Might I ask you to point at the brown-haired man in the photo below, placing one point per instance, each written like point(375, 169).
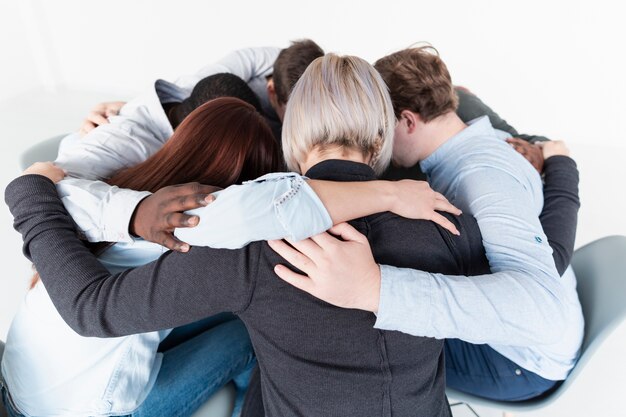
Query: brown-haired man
point(512, 334)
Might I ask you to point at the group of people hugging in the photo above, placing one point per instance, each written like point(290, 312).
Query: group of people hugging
point(267, 221)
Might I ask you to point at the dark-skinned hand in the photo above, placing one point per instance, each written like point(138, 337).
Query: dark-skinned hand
point(157, 215)
point(533, 153)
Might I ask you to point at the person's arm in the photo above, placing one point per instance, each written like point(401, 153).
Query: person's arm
point(130, 138)
point(559, 217)
point(280, 206)
point(247, 64)
point(520, 303)
point(102, 213)
point(99, 115)
point(174, 290)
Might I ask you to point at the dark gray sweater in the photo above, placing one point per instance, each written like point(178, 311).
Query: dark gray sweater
point(315, 359)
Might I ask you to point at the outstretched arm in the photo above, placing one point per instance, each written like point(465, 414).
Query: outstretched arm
point(174, 290)
point(286, 205)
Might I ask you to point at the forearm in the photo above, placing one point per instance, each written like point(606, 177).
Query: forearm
point(101, 212)
point(165, 293)
point(275, 206)
point(507, 308)
point(246, 64)
point(346, 201)
point(559, 217)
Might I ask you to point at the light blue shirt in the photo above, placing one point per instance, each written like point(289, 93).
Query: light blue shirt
point(524, 310)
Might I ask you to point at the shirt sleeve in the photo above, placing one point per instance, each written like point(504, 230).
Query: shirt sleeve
point(247, 64)
point(559, 217)
point(101, 212)
point(129, 138)
point(174, 290)
point(519, 304)
point(275, 206)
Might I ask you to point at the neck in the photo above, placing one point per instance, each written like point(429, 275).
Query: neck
point(438, 131)
point(319, 154)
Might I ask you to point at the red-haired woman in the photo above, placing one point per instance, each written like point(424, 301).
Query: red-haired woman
point(51, 370)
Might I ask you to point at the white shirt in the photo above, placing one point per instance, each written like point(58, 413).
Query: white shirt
point(103, 212)
point(50, 370)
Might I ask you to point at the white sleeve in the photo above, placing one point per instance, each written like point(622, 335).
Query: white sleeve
point(101, 212)
point(247, 64)
point(127, 140)
point(274, 206)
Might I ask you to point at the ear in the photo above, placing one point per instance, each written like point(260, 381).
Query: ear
point(411, 119)
point(271, 89)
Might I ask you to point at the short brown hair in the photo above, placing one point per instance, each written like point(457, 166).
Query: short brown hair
point(290, 65)
point(418, 81)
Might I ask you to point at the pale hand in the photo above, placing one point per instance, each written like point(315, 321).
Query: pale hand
point(341, 273)
point(416, 200)
point(99, 115)
point(553, 148)
point(47, 169)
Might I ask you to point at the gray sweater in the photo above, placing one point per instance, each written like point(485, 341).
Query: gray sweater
point(315, 359)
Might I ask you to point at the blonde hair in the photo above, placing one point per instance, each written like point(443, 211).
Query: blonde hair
point(339, 101)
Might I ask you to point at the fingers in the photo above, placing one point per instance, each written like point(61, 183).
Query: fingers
point(297, 280)
point(445, 223)
point(86, 128)
point(97, 118)
point(171, 242)
point(308, 247)
point(442, 204)
point(186, 202)
point(175, 220)
point(295, 258)
point(113, 108)
point(347, 232)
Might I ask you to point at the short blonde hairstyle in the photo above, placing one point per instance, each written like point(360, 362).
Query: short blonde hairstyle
point(339, 101)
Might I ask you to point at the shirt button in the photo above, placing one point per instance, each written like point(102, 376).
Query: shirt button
point(538, 239)
point(518, 372)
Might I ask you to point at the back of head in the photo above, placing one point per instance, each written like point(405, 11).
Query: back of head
point(222, 142)
point(339, 101)
point(418, 81)
point(216, 86)
point(291, 64)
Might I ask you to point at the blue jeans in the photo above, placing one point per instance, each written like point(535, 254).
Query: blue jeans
point(480, 370)
point(198, 360)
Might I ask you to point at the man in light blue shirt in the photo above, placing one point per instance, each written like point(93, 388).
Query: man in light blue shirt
point(521, 326)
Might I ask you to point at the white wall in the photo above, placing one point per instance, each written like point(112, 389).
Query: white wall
point(551, 67)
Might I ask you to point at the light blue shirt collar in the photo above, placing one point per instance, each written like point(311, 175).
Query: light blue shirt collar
point(478, 127)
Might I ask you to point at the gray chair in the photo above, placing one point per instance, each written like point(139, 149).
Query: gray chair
point(221, 403)
point(43, 151)
point(600, 269)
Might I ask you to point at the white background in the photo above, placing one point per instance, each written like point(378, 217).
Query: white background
point(551, 67)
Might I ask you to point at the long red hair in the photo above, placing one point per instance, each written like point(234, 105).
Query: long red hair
point(223, 142)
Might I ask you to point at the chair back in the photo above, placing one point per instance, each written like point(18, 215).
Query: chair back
point(46, 150)
point(600, 269)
